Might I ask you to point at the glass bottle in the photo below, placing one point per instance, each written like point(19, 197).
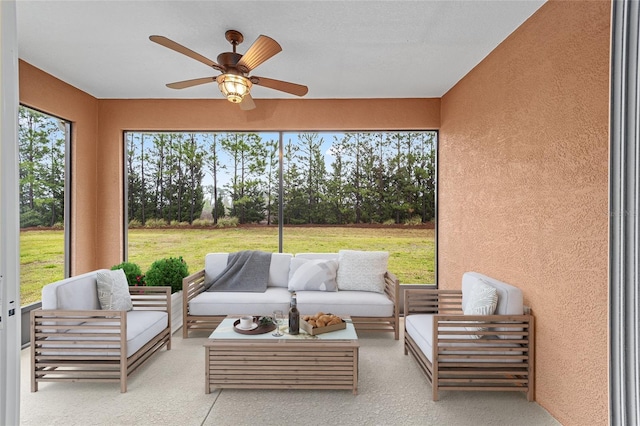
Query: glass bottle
point(294, 316)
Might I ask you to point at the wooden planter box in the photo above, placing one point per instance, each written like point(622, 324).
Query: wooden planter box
point(176, 311)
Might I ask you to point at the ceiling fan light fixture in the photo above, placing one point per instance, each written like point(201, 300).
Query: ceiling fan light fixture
point(234, 87)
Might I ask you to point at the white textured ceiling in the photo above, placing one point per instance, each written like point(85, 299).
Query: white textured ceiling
point(339, 49)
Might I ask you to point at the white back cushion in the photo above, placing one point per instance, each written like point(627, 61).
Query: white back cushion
point(509, 298)
point(215, 263)
point(510, 301)
point(321, 256)
point(73, 293)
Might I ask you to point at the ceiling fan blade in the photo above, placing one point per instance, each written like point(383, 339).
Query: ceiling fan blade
point(247, 103)
point(189, 83)
point(283, 86)
point(163, 41)
point(261, 50)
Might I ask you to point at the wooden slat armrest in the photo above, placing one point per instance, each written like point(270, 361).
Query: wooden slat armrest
point(426, 301)
point(47, 322)
point(193, 285)
point(77, 314)
point(508, 327)
point(488, 319)
point(151, 298)
point(392, 287)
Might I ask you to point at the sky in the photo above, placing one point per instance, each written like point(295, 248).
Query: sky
point(225, 176)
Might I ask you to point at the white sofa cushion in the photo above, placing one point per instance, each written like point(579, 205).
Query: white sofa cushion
point(73, 293)
point(142, 326)
point(215, 263)
point(510, 299)
point(113, 290)
point(322, 256)
point(362, 270)
point(313, 274)
point(420, 328)
point(482, 301)
point(345, 303)
point(240, 303)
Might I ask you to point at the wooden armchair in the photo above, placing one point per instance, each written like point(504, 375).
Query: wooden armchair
point(77, 345)
point(498, 355)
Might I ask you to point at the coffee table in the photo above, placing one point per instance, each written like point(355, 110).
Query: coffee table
point(262, 361)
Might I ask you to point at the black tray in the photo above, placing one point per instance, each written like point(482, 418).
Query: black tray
point(261, 329)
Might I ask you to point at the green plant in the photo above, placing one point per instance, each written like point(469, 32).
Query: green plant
point(228, 222)
point(414, 220)
point(134, 223)
point(167, 272)
point(156, 223)
point(132, 271)
point(202, 223)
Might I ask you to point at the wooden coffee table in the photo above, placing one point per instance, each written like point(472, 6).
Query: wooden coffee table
point(261, 361)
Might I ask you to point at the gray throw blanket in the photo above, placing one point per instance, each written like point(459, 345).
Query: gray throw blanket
point(246, 271)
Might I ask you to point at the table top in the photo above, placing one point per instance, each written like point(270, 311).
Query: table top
point(225, 331)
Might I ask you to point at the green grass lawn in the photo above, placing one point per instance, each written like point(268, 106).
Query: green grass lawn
point(412, 251)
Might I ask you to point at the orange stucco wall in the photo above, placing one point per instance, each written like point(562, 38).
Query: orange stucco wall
point(43, 92)
point(523, 192)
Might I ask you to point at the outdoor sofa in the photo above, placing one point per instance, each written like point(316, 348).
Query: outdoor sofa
point(366, 291)
point(76, 338)
point(463, 340)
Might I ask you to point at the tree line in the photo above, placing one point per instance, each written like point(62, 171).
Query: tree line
point(41, 158)
point(384, 177)
point(362, 177)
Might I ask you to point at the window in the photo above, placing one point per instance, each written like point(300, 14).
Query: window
point(44, 180)
point(194, 193)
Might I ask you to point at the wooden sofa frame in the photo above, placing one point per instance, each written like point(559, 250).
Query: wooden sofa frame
point(82, 363)
point(193, 285)
point(469, 368)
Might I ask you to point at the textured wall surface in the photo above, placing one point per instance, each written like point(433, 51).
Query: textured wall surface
point(523, 192)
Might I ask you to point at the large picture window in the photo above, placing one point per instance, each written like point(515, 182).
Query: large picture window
point(44, 218)
point(189, 194)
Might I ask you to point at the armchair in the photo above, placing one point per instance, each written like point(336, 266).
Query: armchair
point(470, 352)
point(73, 340)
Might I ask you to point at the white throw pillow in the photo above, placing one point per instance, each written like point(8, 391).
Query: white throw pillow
point(483, 300)
point(313, 274)
point(362, 270)
point(113, 290)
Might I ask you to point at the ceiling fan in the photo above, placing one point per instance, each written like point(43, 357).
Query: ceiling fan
point(234, 82)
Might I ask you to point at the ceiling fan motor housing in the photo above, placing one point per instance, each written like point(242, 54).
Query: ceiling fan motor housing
point(229, 60)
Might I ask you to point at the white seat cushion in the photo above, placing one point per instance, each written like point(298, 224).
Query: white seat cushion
point(240, 303)
point(420, 328)
point(345, 303)
point(142, 326)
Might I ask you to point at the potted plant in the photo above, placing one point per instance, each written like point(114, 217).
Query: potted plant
point(169, 272)
point(132, 271)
